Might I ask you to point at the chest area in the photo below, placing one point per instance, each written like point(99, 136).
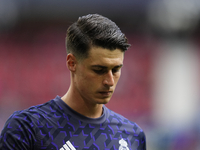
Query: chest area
point(72, 134)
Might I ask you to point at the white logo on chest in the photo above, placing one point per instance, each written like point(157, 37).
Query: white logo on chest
point(67, 146)
point(123, 145)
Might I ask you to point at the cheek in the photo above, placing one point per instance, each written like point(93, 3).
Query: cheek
point(88, 82)
point(116, 77)
point(88, 86)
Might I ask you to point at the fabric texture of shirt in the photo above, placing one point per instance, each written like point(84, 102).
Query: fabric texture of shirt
point(55, 126)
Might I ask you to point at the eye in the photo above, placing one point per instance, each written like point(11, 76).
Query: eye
point(115, 70)
point(99, 71)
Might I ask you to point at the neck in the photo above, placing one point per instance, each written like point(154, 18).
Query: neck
point(77, 103)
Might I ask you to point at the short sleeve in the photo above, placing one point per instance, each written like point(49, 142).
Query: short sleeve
point(17, 133)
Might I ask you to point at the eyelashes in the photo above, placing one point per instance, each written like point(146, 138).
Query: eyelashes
point(103, 71)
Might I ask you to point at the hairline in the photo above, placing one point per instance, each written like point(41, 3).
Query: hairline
point(81, 58)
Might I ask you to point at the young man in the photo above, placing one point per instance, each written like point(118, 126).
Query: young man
point(80, 120)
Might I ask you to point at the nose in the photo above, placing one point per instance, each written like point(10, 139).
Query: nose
point(108, 79)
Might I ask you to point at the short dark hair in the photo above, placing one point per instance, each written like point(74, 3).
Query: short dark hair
point(94, 30)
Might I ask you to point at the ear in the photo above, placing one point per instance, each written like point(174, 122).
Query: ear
point(71, 62)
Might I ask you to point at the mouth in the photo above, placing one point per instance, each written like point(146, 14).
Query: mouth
point(106, 93)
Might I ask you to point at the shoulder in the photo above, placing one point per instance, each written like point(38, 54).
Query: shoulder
point(28, 118)
point(123, 123)
point(27, 127)
point(33, 111)
point(23, 126)
point(111, 115)
point(126, 129)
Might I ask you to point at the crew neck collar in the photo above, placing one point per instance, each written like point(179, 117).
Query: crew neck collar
point(73, 113)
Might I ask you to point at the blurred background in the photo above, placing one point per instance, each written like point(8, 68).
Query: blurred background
point(160, 82)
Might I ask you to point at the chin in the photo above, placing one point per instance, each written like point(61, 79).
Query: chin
point(104, 101)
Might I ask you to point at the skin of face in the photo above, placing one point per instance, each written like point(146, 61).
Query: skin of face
point(93, 79)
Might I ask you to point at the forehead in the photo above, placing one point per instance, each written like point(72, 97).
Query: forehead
point(103, 56)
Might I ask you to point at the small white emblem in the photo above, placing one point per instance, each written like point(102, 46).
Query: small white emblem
point(67, 146)
point(123, 145)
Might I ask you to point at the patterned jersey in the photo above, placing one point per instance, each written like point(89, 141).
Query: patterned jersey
point(55, 126)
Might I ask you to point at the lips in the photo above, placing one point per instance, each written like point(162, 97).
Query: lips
point(106, 93)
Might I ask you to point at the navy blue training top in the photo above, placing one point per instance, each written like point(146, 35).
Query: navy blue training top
point(55, 126)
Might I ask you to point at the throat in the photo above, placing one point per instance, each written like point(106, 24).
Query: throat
point(83, 108)
point(91, 112)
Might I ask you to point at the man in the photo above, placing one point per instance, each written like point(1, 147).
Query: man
point(79, 119)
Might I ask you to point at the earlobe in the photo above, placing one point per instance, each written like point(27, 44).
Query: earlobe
point(71, 62)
